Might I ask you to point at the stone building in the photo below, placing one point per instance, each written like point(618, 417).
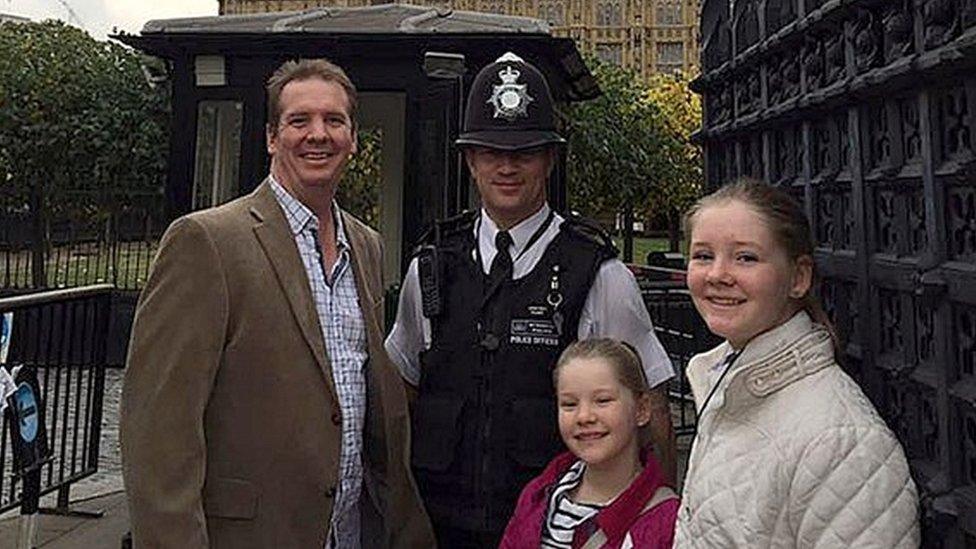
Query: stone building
point(646, 35)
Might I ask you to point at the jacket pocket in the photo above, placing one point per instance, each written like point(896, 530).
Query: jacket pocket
point(230, 498)
point(534, 436)
point(436, 431)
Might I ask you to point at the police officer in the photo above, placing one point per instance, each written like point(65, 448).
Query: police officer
point(488, 304)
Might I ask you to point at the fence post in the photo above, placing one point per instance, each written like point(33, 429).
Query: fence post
point(38, 263)
point(113, 237)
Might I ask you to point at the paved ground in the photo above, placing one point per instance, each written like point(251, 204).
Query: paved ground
point(56, 532)
point(104, 492)
point(101, 491)
point(109, 476)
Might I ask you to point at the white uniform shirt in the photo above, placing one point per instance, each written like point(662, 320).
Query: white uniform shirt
point(613, 308)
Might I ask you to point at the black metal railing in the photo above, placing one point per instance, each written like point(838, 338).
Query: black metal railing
point(79, 238)
point(680, 329)
point(62, 336)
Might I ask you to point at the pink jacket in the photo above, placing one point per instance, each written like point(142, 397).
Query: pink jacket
point(651, 529)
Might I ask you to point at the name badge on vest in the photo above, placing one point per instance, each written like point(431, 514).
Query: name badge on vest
point(539, 329)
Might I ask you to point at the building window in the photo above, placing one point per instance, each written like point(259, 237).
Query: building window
point(553, 12)
point(610, 53)
point(493, 6)
point(608, 14)
point(672, 53)
point(218, 153)
point(669, 13)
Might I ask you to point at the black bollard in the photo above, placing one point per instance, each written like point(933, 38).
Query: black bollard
point(25, 412)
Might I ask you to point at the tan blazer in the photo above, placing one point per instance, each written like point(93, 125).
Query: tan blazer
point(230, 424)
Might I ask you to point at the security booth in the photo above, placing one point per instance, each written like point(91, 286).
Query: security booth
point(412, 67)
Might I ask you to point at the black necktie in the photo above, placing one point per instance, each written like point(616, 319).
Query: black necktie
point(501, 266)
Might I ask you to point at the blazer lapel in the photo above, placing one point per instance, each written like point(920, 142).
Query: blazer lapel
point(278, 243)
point(362, 260)
point(359, 255)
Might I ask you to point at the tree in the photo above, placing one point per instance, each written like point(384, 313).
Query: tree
point(629, 151)
point(76, 114)
point(359, 192)
point(682, 113)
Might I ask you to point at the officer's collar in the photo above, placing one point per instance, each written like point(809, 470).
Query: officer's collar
point(521, 233)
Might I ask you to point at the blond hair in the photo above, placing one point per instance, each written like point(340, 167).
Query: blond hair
point(623, 360)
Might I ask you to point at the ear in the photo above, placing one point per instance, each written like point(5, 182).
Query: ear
point(802, 277)
point(271, 138)
point(643, 412)
point(355, 141)
point(552, 156)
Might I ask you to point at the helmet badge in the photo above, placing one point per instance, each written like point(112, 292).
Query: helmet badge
point(510, 99)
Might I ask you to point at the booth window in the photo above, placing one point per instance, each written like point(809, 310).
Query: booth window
point(218, 154)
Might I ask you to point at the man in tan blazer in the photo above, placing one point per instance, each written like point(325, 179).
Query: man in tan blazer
point(259, 408)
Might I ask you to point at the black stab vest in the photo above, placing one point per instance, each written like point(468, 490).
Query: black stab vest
point(484, 422)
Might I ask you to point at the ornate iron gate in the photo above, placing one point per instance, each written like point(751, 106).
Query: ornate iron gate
point(867, 110)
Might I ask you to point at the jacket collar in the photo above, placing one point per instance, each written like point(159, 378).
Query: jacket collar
point(300, 216)
point(615, 519)
point(771, 361)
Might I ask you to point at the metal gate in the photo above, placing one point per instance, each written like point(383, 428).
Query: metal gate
point(865, 110)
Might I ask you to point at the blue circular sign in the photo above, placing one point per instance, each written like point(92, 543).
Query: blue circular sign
point(27, 412)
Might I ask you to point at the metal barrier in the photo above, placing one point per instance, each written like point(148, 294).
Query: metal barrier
point(62, 335)
point(680, 329)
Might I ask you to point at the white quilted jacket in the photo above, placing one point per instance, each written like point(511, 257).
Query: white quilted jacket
point(790, 453)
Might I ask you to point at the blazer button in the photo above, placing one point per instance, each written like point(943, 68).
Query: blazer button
point(336, 418)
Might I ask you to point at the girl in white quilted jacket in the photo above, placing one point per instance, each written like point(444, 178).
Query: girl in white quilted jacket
point(789, 452)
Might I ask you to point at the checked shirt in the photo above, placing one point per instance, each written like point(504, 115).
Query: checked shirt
point(344, 332)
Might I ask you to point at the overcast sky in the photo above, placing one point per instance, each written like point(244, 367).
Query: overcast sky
point(99, 16)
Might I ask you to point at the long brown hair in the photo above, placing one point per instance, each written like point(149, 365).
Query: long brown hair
point(785, 219)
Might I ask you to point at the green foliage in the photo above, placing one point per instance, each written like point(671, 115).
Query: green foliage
point(77, 114)
point(630, 147)
point(682, 113)
point(359, 191)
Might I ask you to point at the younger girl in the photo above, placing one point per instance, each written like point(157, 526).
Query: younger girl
point(605, 492)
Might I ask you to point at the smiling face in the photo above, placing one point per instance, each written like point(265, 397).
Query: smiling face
point(512, 184)
point(598, 416)
point(313, 138)
point(741, 279)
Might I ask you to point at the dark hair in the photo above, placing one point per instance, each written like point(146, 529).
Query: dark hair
point(305, 69)
point(785, 219)
point(623, 360)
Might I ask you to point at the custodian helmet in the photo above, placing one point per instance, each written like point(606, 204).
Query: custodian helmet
point(509, 107)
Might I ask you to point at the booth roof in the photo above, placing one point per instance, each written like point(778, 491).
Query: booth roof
point(360, 27)
point(381, 19)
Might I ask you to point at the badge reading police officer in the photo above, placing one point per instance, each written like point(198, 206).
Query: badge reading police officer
point(510, 99)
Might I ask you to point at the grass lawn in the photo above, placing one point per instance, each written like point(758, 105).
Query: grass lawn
point(642, 246)
point(81, 264)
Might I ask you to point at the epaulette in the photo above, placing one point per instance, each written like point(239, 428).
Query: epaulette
point(441, 228)
point(589, 230)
